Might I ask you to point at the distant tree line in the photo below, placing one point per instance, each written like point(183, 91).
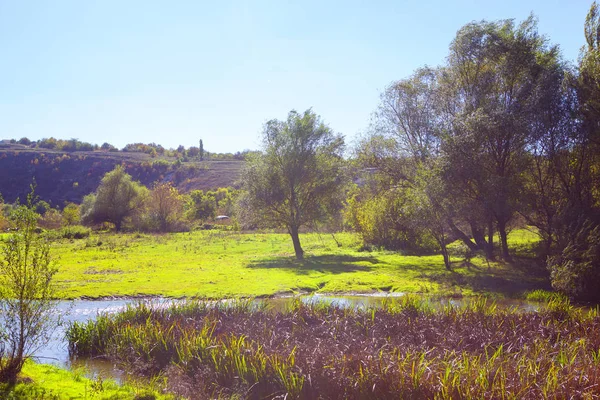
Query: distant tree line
point(123, 203)
point(154, 150)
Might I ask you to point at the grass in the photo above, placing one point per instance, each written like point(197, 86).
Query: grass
point(42, 381)
point(407, 349)
point(218, 264)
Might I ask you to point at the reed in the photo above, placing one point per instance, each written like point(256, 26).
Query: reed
point(407, 349)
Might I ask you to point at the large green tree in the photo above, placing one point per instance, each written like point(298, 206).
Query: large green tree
point(495, 89)
point(575, 262)
point(116, 198)
point(297, 180)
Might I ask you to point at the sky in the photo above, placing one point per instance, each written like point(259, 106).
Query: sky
point(174, 72)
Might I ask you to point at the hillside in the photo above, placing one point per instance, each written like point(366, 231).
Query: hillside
point(69, 176)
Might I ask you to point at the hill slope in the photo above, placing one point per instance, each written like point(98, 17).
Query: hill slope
point(69, 176)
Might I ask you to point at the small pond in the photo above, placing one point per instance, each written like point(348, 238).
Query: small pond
point(56, 351)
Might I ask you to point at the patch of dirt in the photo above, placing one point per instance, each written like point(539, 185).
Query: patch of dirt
point(96, 271)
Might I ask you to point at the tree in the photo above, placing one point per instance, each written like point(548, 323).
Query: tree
point(574, 265)
point(71, 214)
point(201, 206)
point(26, 293)
point(297, 180)
point(576, 270)
point(495, 90)
point(403, 149)
point(201, 150)
point(589, 75)
point(106, 146)
point(116, 198)
point(165, 205)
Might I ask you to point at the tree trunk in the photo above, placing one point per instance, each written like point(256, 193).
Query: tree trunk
point(446, 258)
point(441, 240)
point(503, 239)
point(489, 250)
point(118, 226)
point(461, 235)
point(296, 240)
point(479, 236)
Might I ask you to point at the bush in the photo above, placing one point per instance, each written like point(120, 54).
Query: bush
point(75, 232)
point(576, 271)
point(52, 219)
point(383, 223)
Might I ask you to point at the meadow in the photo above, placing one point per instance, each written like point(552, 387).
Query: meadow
point(407, 349)
point(224, 264)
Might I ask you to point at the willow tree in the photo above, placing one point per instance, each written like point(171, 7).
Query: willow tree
point(296, 180)
point(116, 198)
point(496, 88)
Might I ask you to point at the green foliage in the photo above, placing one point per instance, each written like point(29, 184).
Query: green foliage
point(385, 221)
point(576, 271)
point(27, 290)
point(48, 382)
point(73, 232)
point(71, 214)
point(544, 296)
point(66, 145)
point(201, 206)
point(298, 180)
point(164, 208)
point(144, 148)
point(117, 198)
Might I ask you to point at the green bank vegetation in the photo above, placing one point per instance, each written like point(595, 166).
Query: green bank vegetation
point(42, 381)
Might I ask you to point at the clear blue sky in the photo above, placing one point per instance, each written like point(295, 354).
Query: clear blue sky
point(173, 72)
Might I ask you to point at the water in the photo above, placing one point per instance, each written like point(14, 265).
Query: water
point(56, 351)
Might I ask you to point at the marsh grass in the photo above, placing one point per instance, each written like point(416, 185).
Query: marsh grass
point(542, 295)
point(407, 349)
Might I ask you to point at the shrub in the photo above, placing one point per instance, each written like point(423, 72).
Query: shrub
point(576, 271)
point(75, 232)
point(26, 291)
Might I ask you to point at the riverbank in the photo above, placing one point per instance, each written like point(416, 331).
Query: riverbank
point(43, 381)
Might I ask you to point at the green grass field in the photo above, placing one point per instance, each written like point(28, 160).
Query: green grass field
point(218, 264)
point(42, 381)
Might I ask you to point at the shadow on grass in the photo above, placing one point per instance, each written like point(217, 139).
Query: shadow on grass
point(334, 264)
point(505, 278)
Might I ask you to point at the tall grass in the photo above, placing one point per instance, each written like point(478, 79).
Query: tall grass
point(407, 349)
